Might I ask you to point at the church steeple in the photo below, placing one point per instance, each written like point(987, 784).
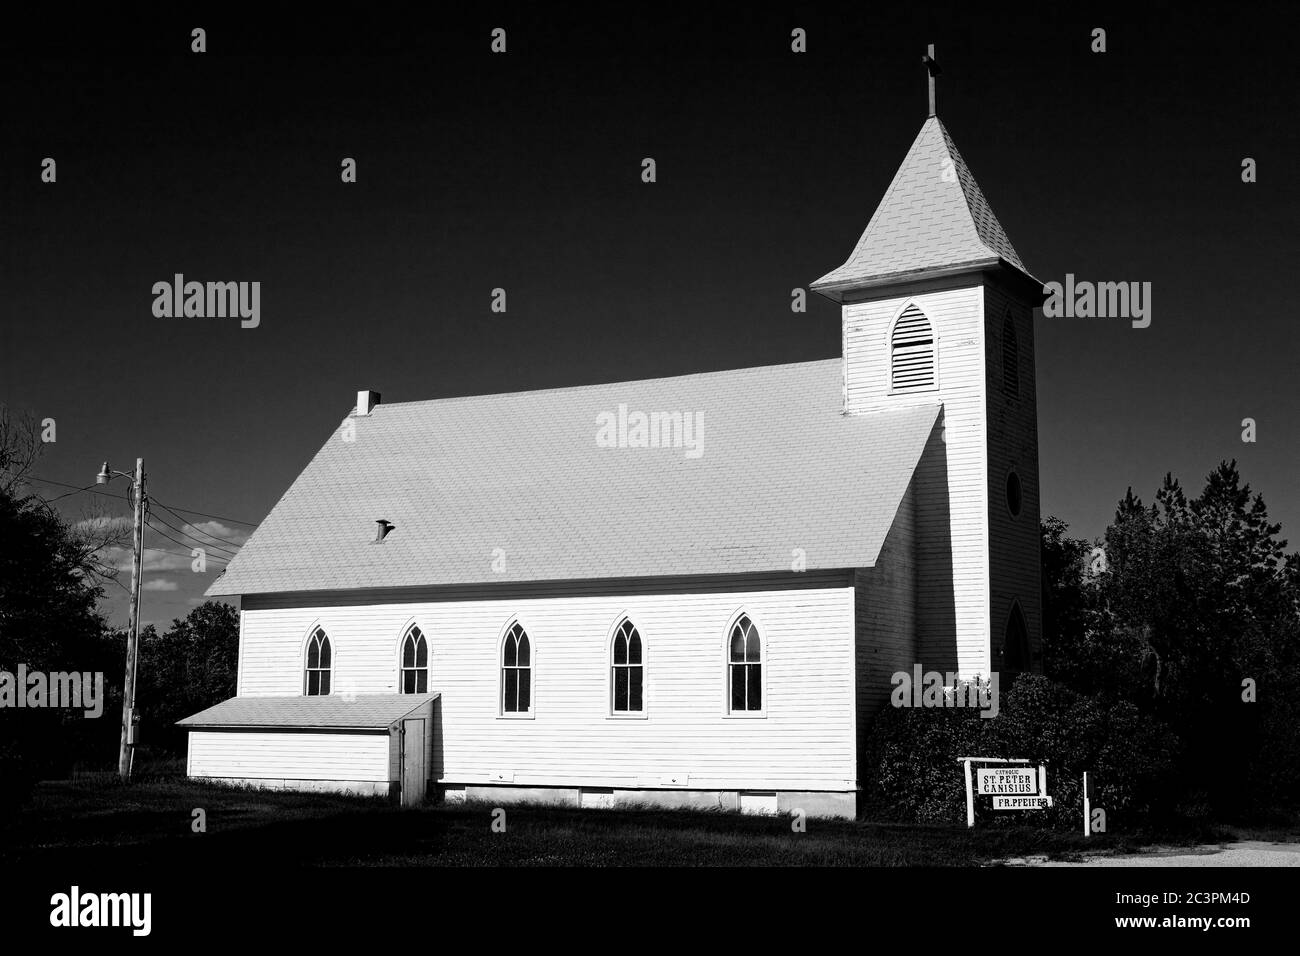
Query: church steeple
point(937, 309)
point(933, 221)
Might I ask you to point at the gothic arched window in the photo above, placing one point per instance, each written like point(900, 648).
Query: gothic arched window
point(627, 670)
point(516, 672)
point(745, 668)
point(415, 663)
point(1015, 647)
point(319, 665)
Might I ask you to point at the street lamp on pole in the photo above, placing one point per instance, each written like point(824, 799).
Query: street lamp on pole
point(133, 628)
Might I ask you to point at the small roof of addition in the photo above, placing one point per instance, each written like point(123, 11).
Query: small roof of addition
point(329, 712)
point(933, 218)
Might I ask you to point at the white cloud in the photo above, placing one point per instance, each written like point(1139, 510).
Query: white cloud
point(159, 584)
point(189, 537)
point(163, 553)
point(225, 536)
point(152, 561)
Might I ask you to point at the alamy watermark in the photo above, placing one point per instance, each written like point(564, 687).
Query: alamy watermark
point(933, 689)
point(36, 689)
point(77, 909)
point(1083, 299)
point(208, 300)
point(624, 429)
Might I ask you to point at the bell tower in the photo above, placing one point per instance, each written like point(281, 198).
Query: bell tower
point(937, 308)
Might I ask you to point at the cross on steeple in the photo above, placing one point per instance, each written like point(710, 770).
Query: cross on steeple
point(932, 70)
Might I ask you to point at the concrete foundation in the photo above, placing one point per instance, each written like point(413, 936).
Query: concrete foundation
point(815, 803)
point(364, 788)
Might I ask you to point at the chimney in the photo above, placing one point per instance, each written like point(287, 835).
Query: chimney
point(383, 526)
point(366, 402)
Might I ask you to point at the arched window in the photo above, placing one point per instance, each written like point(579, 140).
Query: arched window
point(745, 667)
point(319, 665)
point(911, 352)
point(1010, 358)
point(415, 663)
point(516, 672)
point(627, 675)
point(1015, 648)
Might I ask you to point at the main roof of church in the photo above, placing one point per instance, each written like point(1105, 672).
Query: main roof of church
point(516, 487)
point(934, 217)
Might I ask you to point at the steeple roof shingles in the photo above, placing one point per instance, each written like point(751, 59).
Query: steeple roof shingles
point(933, 217)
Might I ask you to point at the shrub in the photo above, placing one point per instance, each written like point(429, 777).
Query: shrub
point(912, 771)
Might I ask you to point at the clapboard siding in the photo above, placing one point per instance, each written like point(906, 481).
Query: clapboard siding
point(1014, 542)
point(805, 741)
point(886, 616)
point(298, 755)
point(951, 483)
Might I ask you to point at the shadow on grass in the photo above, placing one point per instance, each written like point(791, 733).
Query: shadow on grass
point(151, 824)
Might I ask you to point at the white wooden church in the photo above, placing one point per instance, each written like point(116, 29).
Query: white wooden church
point(485, 597)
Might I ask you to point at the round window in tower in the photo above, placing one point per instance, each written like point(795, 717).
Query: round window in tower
point(1013, 494)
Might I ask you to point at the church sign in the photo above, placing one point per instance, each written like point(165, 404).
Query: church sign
point(1007, 780)
point(1011, 782)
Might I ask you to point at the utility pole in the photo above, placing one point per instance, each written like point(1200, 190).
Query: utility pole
point(125, 752)
point(124, 760)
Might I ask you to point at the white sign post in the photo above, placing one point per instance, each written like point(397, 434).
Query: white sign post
point(970, 799)
point(1087, 814)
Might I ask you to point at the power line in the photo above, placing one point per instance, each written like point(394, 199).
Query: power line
point(216, 537)
point(186, 554)
point(188, 511)
point(186, 534)
point(50, 501)
point(220, 553)
point(203, 514)
point(90, 488)
point(167, 536)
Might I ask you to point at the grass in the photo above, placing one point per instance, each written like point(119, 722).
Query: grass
point(94, 820)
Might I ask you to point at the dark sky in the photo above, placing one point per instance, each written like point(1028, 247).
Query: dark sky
point(522, 171)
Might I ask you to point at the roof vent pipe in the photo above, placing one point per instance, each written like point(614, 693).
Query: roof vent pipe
point(382, 527)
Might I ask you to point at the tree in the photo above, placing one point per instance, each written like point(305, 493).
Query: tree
point(189, 667)
point(50, 582)
point(1199, 596)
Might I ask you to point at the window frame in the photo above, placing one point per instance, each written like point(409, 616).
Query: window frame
point(891, 388)
point(1016, 612)
point(764, 662)
point(401, 660)
point(506, 634)
point(610, 666)
point(317, 631)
